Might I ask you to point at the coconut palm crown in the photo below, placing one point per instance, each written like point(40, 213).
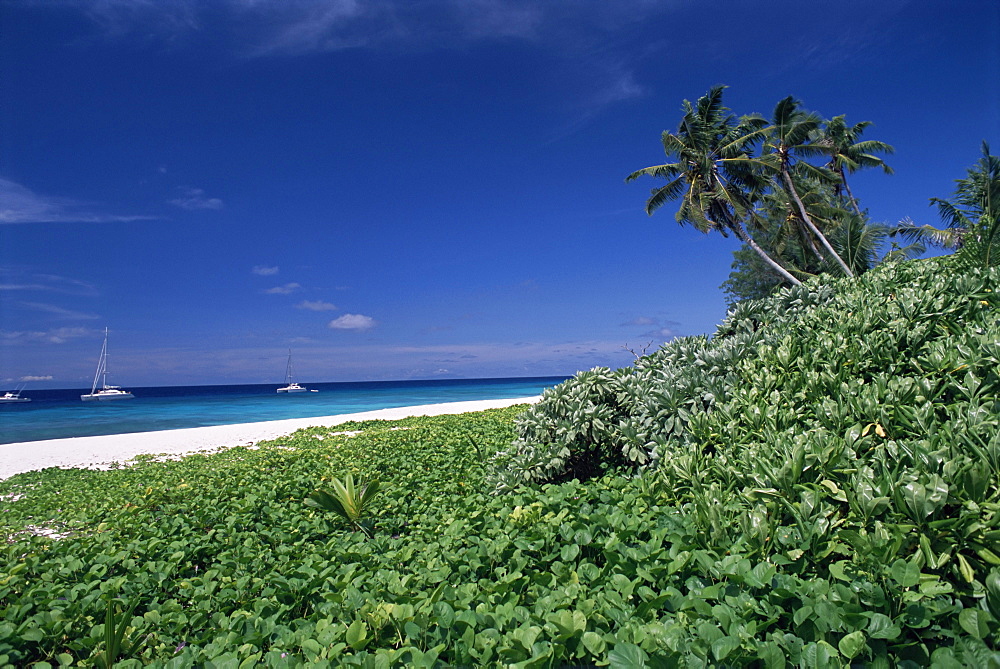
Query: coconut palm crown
point(714, 173)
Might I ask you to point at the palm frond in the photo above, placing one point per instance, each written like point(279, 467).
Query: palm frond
point(948, 238)
point(664, 194)
point(710, 105)
point(667, 171)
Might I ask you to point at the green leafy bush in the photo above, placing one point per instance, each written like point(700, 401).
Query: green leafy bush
point(843, 430)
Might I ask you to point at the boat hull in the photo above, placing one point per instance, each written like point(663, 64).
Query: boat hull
point(106, 397)
point(292, 390)
point(11, 400)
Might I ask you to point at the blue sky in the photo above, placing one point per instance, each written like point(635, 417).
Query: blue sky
point(401, 189)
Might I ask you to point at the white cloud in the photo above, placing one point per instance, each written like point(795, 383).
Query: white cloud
point(661, 330)
point(352, 322)
point(22, 205)
point(641, 321)
point(194, 198)
point(663, 333)
point(59, 312)
point(14, 279)
point(264, 270)
point(55, 336)
point(293, 28)
point(286, 289)
point(36, 378)
point(318, 305)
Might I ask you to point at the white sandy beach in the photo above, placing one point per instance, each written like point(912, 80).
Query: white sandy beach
point(99, 452)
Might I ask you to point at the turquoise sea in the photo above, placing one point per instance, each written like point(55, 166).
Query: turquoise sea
point(54, 414)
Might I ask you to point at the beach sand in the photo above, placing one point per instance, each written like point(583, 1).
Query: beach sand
point(100, 452)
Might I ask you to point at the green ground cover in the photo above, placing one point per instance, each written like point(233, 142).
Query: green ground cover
point(817, 485)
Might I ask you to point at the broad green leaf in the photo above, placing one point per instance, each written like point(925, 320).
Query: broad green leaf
point(526, 636)
point(721, 648)
point(772, 655)
point(993, 592)
point(906, 574)
point(975, 622)
point(819, 655)
point(881, 626)
point(627, 656)
point(593, 642)
point(852, 644)
point(357, 635)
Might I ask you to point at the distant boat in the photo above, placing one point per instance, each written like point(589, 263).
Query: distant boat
point(292, 386)
point(13, 396)
point(106, 392)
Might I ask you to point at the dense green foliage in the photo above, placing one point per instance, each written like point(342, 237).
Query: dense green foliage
point(846, 431)
point(817, 485)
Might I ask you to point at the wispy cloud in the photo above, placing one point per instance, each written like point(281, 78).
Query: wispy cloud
point(19, 204)
point(353, 322)
point(264, 270)
point(58, 312)
point(13, 279)
point(659, 331)
point(286, 289)
point(318, 305)
point(47, 377)
point(641, 321)
point(303, 27)
point(54, 336)
point(193, 199)
point(592, 39)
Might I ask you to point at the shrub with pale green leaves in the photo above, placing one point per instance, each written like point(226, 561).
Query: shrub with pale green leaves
point(846, 430)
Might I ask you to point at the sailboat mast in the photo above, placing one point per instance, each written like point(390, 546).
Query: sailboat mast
point(101, 365)
point(104, 381)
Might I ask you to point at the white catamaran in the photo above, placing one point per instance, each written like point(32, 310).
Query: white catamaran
point(106, 392)
point(13, 396)
point(292, 386)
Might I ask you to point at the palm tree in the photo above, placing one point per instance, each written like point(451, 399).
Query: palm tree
point(975, 209)
point(972, 217)
point(848, 153)
point(715, 175)
point(790, 135)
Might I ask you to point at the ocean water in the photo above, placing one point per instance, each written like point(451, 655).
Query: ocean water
point(54, 414)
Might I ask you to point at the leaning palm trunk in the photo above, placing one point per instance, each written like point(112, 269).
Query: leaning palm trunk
point(812, 226)
point(745, 237)
point(850, 195)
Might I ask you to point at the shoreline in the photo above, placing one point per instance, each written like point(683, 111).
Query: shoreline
point(100, 451)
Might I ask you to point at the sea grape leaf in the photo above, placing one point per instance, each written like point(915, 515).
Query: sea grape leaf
point(906, 574)
point(975, 622)
point(594, 642)
point(526, 636)
point(819, 654)
point(881, 626)
point(627, 656)
point(357, 635)
point(772, 655)
point(852, 644)
point(721, 648)
point(993, 592)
